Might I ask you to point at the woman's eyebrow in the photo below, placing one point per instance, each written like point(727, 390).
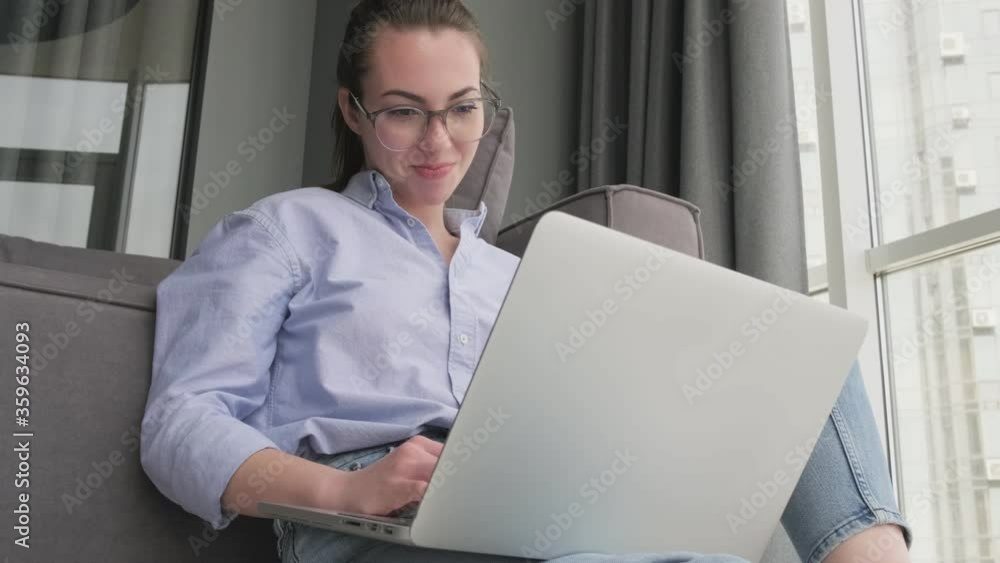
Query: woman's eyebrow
point(419, 99)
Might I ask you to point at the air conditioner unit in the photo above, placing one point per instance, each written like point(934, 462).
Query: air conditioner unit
point(984, 319)
point(965, 181)
point(960, 116)
point(993, 469)
point(952, 47)
point(796, 16)
point(808, 139)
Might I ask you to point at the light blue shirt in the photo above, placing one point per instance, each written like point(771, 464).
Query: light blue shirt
point(313, 322)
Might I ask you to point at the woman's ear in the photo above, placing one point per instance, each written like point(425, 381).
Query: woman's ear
point(348, 109)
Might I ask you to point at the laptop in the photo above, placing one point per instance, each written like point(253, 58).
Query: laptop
point(630, 398)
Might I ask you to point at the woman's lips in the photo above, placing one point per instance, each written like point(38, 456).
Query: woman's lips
point(433, 172)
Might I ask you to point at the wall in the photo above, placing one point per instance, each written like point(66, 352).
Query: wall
point(536, 70)
point(256, 102)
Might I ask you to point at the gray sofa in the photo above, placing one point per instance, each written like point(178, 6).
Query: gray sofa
point(91, 321)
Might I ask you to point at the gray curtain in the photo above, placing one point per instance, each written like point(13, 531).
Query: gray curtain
point(705, 88)
point(694, 98)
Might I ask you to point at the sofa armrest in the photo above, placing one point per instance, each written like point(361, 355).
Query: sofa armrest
point(647, 214)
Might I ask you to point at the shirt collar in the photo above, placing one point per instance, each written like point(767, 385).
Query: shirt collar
point(369, 186)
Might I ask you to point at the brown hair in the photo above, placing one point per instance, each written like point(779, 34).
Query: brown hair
point(354, 61)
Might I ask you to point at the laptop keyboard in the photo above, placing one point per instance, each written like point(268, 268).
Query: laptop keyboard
point(407, 512)
point(401, 517)
point(384, 519)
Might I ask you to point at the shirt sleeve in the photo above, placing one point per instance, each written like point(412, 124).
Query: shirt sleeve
point(217, 320)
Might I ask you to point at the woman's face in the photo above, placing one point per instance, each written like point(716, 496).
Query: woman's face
point(423, 70)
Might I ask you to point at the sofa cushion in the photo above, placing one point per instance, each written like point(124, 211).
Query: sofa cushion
point(640, 212)
point(96, 263)
point(91, 360)
point(489, 176)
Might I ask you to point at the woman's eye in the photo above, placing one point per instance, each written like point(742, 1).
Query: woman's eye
point(403, 113)
point(467, 108)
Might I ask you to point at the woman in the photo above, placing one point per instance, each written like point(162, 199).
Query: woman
point(343, 326)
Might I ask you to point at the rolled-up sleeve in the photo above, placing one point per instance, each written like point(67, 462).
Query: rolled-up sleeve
point(217, 323)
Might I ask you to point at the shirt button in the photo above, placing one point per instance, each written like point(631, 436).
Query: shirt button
point(411, 222)
point(464, 339)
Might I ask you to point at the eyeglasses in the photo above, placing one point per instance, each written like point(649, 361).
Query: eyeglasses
point(400, 128)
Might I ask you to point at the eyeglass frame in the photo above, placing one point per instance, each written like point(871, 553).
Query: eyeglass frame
point(373, 115)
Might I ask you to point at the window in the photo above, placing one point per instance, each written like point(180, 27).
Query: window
point(994, 78)
point(92, 121)
point(925, 107)
point(914, 165)
point(807, 98)
point(916, 169)
point(991, 22)
point(66, 207)
point(944, 355)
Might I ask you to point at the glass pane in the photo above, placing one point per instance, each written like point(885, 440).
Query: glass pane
point(157, 170)
point(94, 96)
point(806, 104)
point(934, 81)
point(66, 209)
point(59, 115)
point(942, 328)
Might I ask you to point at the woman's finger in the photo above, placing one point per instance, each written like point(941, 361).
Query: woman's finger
point(430, 446)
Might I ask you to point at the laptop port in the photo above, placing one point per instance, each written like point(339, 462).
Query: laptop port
point(373, 527)
point(352, 523)
point(388, 530)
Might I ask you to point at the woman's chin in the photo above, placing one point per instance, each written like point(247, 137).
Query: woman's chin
point(433, 191)
point(416, 195)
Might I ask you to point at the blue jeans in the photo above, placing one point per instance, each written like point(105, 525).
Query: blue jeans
point(844, 489)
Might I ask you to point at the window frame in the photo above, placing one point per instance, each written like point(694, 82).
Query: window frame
point(856, 266)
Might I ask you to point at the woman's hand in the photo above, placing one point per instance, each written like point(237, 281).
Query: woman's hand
point(393, 482)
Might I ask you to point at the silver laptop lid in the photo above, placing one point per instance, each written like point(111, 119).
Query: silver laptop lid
point(635, 399)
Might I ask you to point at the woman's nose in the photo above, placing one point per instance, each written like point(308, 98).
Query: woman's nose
point(437, 131)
